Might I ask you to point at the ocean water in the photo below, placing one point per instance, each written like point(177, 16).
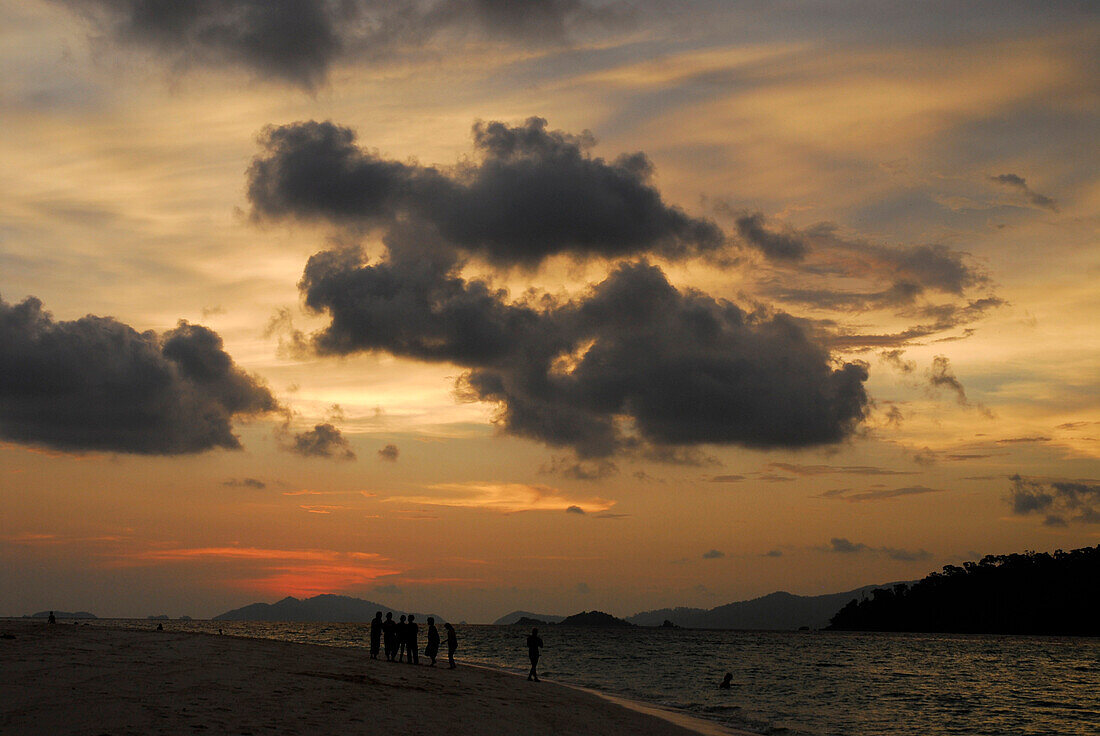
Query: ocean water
point(801, 684)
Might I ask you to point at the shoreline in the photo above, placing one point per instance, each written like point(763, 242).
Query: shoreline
point(94, 680)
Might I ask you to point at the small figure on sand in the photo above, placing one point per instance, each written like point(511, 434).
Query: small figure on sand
point(452, 643)
point(412, 632)
point(402, 630)
point(432, 649)
point(389, 636)
point(52, 619)
point(375, 635)
point(725, 683)
point(534, 643)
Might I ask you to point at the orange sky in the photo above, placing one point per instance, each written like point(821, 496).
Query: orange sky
point(942, 150)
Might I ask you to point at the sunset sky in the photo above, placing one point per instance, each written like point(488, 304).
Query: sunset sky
point(471, 305)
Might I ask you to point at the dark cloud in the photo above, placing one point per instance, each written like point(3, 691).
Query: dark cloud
point(298, 41)
point(906, 555)
point(844, 546)
point(532, 194)
point(727, 479)
point(324, 440)
point(1059, 501)
point(684, 368)
point(245, 483)
point(713, 554)
point(389, 453)
point(579, 469)
point(95, 384)
point(894, 358)
point(1023, 440)
point(830, 469)
point(774, 245)
point(575, 510)
point(1019, 183)
point(773, 553)
point(878, 494)
point(941, 376)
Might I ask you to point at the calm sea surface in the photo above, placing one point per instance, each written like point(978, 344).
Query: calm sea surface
point(819, 684)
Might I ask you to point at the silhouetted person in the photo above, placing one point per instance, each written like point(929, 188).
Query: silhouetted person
point(402, 630)
point(534, 643)
point(452, 643)
point(725, 683)
point(52, 619)
point(389, 636)
point(412, 634)
point(160, 627)
point(375, 635)
point(432, 649)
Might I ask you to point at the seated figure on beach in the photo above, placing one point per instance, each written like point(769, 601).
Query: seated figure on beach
point(725, 683)
point(432, 649)
point(412, 634)
point(389, 636)
point(534, 643)
point(402, 630)
point(375, 635)
point(452, 643)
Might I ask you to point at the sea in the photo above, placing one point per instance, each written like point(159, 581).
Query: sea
point(809, 683)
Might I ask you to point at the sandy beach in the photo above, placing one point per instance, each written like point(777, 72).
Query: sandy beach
point(85, 680)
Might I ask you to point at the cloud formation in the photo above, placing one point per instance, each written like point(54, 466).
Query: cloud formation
point(844, 546)
point(1059, 501)
point(298, 41)
point(1018, 183)
point(324, 440)
point(532, 194)
point(713, 554)
point(95, 384)
point(877, 494)
point(389, 453)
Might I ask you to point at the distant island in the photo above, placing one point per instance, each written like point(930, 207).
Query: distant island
point(63, 614)
point(320, 608)
point(516, 617)
point(584, 618)
point(1029, 593)
point(778, 611)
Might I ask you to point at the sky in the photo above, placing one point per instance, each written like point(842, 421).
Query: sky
point(472, 306)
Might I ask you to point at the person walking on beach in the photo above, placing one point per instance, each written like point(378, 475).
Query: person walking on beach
point(402, 630)
point(375, 635)
point(534, 643)
point(452, 644)
point(389, 636)
point(413, 632)
point(432, 649)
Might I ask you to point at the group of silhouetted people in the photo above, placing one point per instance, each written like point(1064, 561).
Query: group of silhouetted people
point(400, 639)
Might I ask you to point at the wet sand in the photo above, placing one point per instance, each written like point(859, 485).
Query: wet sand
point(93, 681)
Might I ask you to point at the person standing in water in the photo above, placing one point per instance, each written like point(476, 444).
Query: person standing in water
point(375, 635)
point(534, 644)
point(432, 649)
point(452, 643)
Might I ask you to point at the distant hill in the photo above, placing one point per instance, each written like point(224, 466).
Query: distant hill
point(63, 614)
point(509, 619)
point(326, 607)
point(1029, 593)
point(593, 618)
point(779, 611)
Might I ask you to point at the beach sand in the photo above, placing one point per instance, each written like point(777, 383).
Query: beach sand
point(87, 680)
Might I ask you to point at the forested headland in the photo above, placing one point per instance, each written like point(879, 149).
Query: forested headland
point(1028, 593)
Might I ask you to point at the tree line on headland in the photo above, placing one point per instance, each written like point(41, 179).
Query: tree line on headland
point(1028, 593)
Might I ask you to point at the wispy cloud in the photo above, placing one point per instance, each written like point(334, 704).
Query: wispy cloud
point(505, 498)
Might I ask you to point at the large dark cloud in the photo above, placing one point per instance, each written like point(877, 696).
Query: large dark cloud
point(97, 384)
point(1058, 501)
point(299, 40)
point(681, 368)
point(532, 193)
